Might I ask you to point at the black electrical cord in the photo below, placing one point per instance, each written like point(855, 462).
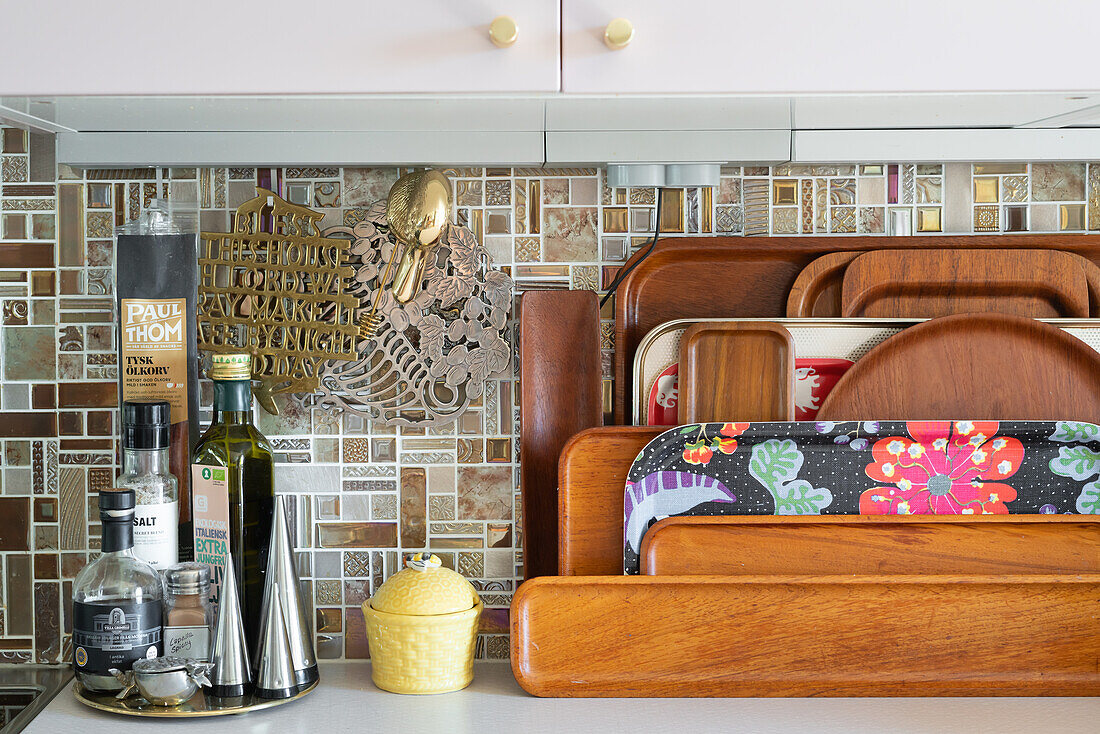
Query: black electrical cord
point(626, 271)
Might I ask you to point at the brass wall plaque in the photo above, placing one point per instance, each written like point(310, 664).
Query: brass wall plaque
point(276, 288)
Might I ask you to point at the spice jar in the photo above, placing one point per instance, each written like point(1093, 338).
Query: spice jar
point(188, 613)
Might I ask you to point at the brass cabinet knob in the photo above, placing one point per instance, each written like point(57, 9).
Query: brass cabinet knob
point(618, 34)
point(503, 31)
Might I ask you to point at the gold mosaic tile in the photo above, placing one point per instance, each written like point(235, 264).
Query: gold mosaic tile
point(1058, 182)
point(807, 206)
point(643, 196)
point(756, 193)
point(785, 220)
point(1071, 217)
point(1094, 197)
point(527, 249)
point(842, 219)
point(672, 210)
point(985, 190)
point(821, 204)
point(842, 191)
point(929, 219)
point(929, 169)
point(615, 221)
point(520, 208)
point(468, 193)
point(1014, 188)
point(986, 218)
point(534, 208)
point(871, 170)
point(706, 210)
point(929, 190)
point(784, 191)
point(1002, 168)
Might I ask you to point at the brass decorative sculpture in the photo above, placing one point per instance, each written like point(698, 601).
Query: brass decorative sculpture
point(429, 356)
point(278, 294)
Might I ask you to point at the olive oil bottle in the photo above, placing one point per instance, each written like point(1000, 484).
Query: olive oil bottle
point(233, 489)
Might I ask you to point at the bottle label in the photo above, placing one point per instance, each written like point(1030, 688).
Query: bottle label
point(152, 334)
point(187, 642)
point(210, 497)
point(114, 634)
point(156, 531)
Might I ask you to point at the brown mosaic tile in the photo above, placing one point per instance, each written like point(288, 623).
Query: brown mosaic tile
point(46, 566)
point(357, 535)
point(329, 620)
point(47, 612)
point(27, 425)
point(87, 395)
point(19, 614)
point(355, 638)
point(71, 563)
point(45, 509)
point(986, 219)
point(70, 424)
point(72, 508)
point(413, 531)
point(15, 523)
point(46, 537)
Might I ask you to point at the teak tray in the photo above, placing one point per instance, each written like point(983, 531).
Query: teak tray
point(736, 368)
point(885, 545)
point(751, 277)
point(961, 635)
point(989, 365)
point(931, 283)
point(561, 393)
point(591, 482)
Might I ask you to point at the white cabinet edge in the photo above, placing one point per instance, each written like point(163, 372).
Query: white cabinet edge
point(1021, 144)
point(123, 150)
point(667, 146)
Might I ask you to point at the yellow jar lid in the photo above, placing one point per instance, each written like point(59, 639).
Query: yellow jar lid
point(424, 587)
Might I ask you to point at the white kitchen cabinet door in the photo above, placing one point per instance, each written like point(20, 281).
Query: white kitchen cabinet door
point(63, 47)
point(815, 47)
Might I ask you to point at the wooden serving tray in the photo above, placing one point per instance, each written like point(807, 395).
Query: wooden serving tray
point(561, 393)
point(885, 545)
point(963, 635)
point(989, 365)
point(751, 277)
point(736, 368)
point(932, 283)
point(591, 482)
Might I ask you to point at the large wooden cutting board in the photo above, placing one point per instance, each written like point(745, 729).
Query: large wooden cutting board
point(592, 480)
point(975, 365)
point(899, 544)
point(740, 371)
point(560, 393)
point(931, 283)
point(963, 635)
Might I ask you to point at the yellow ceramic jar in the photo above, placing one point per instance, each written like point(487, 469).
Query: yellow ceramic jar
point(422, 628)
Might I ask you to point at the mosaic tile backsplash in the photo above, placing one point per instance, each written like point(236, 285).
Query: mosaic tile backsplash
point(364, 494)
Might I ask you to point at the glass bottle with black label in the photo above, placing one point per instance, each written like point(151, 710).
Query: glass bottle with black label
point(233, 490)
point(117, 601)
point(156, 490)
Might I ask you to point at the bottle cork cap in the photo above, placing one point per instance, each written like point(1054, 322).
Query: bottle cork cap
point(231, 367)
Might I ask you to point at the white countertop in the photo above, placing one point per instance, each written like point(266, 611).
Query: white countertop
point(347, 701)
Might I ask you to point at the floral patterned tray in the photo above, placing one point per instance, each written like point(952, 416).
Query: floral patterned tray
point(861, 468)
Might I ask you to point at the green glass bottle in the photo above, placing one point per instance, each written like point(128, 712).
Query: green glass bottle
point(233, 489)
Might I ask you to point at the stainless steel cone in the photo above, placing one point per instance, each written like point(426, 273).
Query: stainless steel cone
point(232, 674)
point(282, 584)
point(275, 672)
